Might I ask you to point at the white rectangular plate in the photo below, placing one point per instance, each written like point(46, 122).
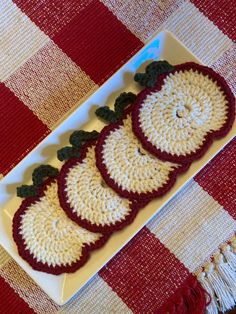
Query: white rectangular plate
point(62, 288)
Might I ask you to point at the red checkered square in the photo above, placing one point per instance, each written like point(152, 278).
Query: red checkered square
point(218, 178)
point(97, 41)
point(11, 302)
point(145, 273)
point(51, 15)
point(19, 128)
point(221, 13)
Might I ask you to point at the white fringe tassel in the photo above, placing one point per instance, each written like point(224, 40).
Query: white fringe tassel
point(218, 278)
point(229, 252)
point(212, 307)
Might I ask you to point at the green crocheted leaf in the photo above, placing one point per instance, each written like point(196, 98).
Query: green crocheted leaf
point(42, 172)
point(77, 138)
point(67, 153)
point(106, 114)
point(141, 78)
point(152, 72)
point(151, 82)
point(39, 175)
point(122, 102)
point(159, 67)
point(26, 191)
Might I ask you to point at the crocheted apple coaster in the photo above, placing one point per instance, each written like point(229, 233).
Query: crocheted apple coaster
point(88, 200)
point(129, 169)
point(46, 238)
point(178, 119)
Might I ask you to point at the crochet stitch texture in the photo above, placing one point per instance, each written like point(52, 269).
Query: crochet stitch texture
point(47, 238)
point(178, 119)
point(128, 168)
point(87, 199)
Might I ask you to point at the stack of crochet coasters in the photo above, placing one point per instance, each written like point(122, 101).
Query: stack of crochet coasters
point(127, 167)
point(106, 178)
point(88, 200)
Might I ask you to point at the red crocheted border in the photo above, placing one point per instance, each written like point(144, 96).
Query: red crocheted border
point(135, 205)
point(106, 131)
point(208, 138)
point(26, 255)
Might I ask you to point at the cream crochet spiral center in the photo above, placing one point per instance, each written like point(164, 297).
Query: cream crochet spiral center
point(177, 118)
point(90, 197)
point(50, 236)
point(129, 165)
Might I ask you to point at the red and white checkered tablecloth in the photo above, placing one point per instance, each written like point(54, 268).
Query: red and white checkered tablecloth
point(53, 53)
